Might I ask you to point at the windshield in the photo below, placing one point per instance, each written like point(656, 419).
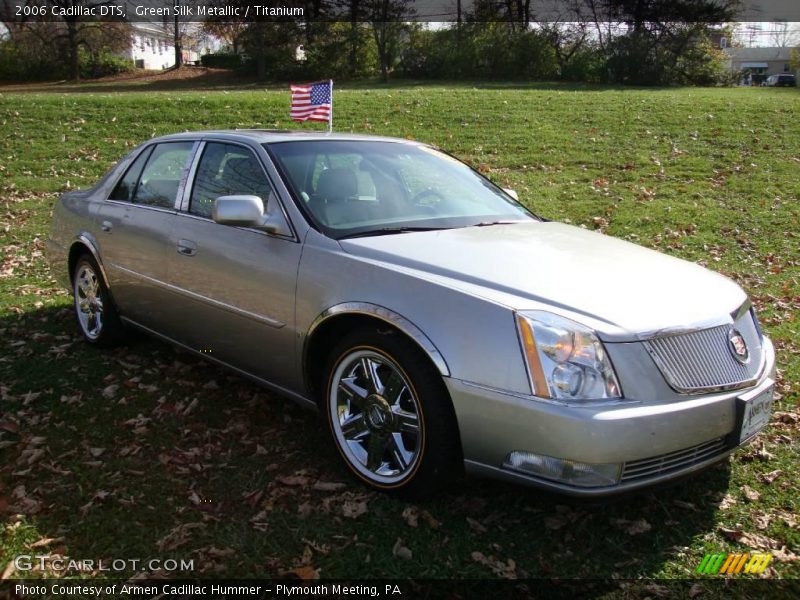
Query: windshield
point(352, 188)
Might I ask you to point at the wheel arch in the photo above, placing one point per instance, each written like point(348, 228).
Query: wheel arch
point(336, 320)
point(83, 244)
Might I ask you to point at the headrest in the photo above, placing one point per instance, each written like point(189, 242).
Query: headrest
point(336, 184)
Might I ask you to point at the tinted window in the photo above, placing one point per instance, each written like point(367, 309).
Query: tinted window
point(127, 185)
point(161, 177)
point(226, 170)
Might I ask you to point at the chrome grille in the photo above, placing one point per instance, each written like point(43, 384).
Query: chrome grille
point(702, 360)
point(672, 461)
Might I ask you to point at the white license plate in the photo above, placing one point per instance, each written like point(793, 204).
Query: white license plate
point(757, 410)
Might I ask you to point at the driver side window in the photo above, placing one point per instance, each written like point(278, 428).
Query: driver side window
point(226, 170)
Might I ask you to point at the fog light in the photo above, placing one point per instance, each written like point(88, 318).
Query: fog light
point(565, 471)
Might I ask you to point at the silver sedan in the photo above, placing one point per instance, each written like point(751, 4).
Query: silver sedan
point(437, 323)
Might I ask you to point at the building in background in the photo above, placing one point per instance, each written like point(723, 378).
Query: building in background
point(756, 64)
point(152, 47)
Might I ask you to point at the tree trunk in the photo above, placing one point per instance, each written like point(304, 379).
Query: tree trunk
point(74, 58)
point(353, 37)
point(178, 49)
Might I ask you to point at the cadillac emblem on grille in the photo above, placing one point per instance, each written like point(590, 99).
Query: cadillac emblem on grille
point(738, 346)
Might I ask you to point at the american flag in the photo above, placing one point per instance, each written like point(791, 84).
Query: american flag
point(312, 101)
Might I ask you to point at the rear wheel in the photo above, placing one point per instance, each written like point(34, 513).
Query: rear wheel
point(94, 310)
point(390, 415)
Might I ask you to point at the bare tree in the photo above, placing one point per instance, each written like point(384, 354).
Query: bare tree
point(784, 35)
point(568, 29)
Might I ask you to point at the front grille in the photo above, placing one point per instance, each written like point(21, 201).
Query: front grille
point(702, 360)
point(672, 461)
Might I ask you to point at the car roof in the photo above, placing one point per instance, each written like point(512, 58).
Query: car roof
point(272, 136)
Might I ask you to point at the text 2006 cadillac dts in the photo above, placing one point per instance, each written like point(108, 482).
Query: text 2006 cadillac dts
point(436, 322)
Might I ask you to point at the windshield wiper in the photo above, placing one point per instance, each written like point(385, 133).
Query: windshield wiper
point(499, 222)
point(390, 231)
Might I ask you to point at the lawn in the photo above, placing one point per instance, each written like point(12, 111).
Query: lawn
point(146, 452)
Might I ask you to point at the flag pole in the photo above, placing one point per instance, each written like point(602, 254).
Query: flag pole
point(330, 119)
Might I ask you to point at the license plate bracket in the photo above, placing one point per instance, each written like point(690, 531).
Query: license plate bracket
point(753, 410)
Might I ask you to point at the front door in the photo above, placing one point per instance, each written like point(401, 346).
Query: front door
point(236, 285)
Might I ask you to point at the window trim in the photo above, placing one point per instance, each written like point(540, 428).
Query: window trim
point(150, 148)
point(146, 149)
point(185, 200)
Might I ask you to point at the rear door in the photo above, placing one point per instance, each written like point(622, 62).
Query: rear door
point(237, 284)
point(135, 223)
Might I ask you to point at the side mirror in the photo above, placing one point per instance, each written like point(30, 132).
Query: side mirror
point(511, 193)
point(245, 211)
point(248, 211)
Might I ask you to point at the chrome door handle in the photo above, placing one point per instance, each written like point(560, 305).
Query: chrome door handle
point(187, 247)
point(106, 226)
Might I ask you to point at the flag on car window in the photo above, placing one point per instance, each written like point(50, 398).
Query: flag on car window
point(312, 101)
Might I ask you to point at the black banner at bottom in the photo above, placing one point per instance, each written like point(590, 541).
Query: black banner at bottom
point(267, 589)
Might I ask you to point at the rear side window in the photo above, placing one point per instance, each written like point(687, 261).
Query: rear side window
point(127, 185)
point(226, 170)
point(161, 177)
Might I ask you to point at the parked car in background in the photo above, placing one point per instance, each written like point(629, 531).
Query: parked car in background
point(782, 80)
point(436, 322)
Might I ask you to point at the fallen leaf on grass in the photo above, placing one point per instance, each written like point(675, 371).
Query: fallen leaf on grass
point(401, 551)
point(328, 486)
point(353, 509)
point(411, 516)
point(110, 391)
point(430, 520)
point(293, 480)
point(305, 572)
point(632, 527)
point(696, 590)
point(504, 570)
point(771, 476)
point(476, 526)
point(751, 494)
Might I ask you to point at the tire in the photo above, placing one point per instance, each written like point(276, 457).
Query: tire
point(390, 415)
point(95, 312)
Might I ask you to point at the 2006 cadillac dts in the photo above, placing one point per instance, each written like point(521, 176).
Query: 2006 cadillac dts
point(433, 319)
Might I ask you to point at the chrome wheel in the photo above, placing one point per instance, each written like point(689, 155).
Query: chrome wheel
point(88, 301)
point(376, 417)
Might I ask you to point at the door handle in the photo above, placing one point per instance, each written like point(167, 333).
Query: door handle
point(187, 247)
point(106, 226)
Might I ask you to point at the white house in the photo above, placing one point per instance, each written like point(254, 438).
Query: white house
point(152, 47)
point(756, 64)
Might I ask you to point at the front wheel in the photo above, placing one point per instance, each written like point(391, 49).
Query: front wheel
point(390, 415)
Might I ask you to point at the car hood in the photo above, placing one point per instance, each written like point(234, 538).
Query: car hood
point(622, 288)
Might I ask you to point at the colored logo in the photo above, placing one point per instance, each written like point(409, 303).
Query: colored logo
point(738, 346)
point(755, 563)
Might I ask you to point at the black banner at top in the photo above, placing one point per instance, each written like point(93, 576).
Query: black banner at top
point(527, 11)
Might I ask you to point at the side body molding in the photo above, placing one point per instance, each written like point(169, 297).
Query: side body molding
point(384, 314)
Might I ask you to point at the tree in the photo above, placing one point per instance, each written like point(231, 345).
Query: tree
point(65, 33)
point(663, 41)
point(230, 32)
point(784, 35)
point(567, 31)
point(386, 17)
point(78, 32)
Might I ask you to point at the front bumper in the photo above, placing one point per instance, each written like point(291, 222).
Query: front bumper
point(700, 430)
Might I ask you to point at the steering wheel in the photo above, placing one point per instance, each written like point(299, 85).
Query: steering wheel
point(428, 192)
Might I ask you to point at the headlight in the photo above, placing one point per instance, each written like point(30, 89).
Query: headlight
point(565, 359)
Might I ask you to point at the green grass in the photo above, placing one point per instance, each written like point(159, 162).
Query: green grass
point(709, 175)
